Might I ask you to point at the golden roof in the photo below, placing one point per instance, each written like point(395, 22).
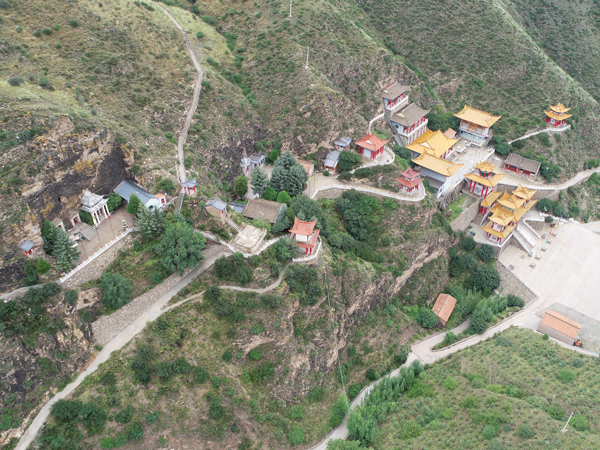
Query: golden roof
point(524, 192)
point(490, 199)
point(510, 201)
point(560, 108)
point(501, 234)
point(502, 218)
point(489, 182)
point(557, 116)
point(437, 165)
point(477, 117)
point(485, 167)
point(435, 143)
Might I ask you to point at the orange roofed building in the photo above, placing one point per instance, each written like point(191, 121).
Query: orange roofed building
point(557, 116)
point(475, 125)
point(444, 305)
point(305, 235)
point(410, 180)
point(371, 146)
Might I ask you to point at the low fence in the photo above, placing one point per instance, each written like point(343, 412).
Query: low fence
point(96, 255)
point(417, 197)
point(302, 259)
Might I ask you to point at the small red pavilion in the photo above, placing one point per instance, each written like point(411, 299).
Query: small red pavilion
point(557, 116)
point(371, 146)
point(410, 180)
point(305, 234)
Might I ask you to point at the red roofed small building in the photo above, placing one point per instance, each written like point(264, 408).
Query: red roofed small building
point(305, 234)
point(371, 146)
point(559, 327)
point(444, 305)
point(410, 180)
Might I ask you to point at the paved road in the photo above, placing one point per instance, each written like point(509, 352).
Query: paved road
point(194, 105)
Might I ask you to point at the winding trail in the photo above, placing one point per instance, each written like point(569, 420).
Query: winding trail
point(194, 105)
point(511, 180)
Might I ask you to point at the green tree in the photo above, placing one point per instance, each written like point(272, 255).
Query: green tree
point(42, 266)
point(284, 197)
point(288, 175)
point(273, 156)
point(241, 186)
point(180, 248)
point(427, 318)
point(134, 204)
point(341, 444)
point(484, 276)
point(116, 290)
point(504, 148)
point(286, 248)
point(307, 209)
point(270, 194)
point(259, 181)
point(65, 250)
point(48, 236)
point(469, 243)
point(114, 201)
point(485, 252)
point(348, 161)
point(150, 222)
point(481, 317)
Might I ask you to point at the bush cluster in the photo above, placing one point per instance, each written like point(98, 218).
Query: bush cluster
point(233, 267)
point(304, 282)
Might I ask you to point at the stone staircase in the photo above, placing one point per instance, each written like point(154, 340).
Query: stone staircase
point(534, 233)
point(527, 237)
point(231, 223)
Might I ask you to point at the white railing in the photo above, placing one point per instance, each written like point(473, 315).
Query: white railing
point(416, 197)
point(96, 254)
point(309, 257)
point(378, 161)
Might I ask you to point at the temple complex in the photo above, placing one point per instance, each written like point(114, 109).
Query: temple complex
point(305, 235)
point(557, 116)
point(475, 125)
point(408, 121)
point(483, 181)
point(507, 210)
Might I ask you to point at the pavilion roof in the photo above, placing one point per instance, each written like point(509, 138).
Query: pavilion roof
point(502, 218)
point(410, 173)
point(524, 192)
point(312, 242)
point(510, 201)
point(394, 90)
point(557, 116)
point(477, 117)
point(90, 200)
point(372, 142)
point(490, 199)
point(443, 307)
point(485, 166)
point(489, 182)
point(303, 227)
point(501, 234)
point(435, 143)
point(409, 183)
point(189, 183)
point(437, 165)
point(560, 108)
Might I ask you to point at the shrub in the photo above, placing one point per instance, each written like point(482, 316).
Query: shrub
point(556, 412)
point(513, 300)
point(296, 412)
point(116, 290)
point(241, 186)
point(296, 435)
point(525, 431)
point(134, 204)
point(15, 81)
point(71, 297)
point(273, 156)
point(73, 23)
point(549, 219)
point(481, 317)
point(227, 355)
point(566, 375)
point(44, 81)
point(181, 365)
point(579, 422)
point(66, 410)
point(255, 354)
point(244, 275)
point(47, 31)
point(353, 390)
point(212, 294)
point(427, 318)
point(469, 243)
point(4, 4)
point(254, 261)
point(114, 201)
point(489, 432)
point(135, 431)
point(503, 149)
point(262, 372)
point(199, 34)
point(371, 374)
point(545, 337)
point(164, 370)
point(256, 329)
point(200, 375)
point(125, 415)
point(209, 20)
point(272, 300)
point(485, 252)
point(152, 417)
point(411, 429)
point(42, 266)
point(348, 161)
point(326, 173)
point(577, 362)
point(485, 277)
point(469, 402)
point(449, 338)
point(450, 383)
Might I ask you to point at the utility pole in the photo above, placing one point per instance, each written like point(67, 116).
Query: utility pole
point(565, 428)
point(290, 16)
point(307, 50)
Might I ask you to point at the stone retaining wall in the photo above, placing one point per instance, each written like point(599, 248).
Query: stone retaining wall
point(95, 269)
point(462, 222)
point(511, 284)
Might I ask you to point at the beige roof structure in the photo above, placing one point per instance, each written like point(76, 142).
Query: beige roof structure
point(409, 115)
point(561, 323)
point(558, 112)
point(490, 182)
point(437, 165)
point(509, 201)
point(435, 143)
point(523, 163)
point(394, 90)
point(450, 133)
point(444, 305)
point(502, 218)
point(500, 234)
point(477, 117)
point(309, 167)
point(485, 166)
point(259, 208)
point(560, 108)
point(524, 192)
point(490, 199)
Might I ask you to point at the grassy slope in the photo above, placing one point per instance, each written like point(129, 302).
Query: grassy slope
point(531, 365)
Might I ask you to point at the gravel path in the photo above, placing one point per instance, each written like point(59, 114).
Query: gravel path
point(192, 110)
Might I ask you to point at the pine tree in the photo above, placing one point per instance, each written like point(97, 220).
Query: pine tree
point(64, 250)
point(287, 161)
point(278, 178)
point(180, 248)
point(259, 181)
point(151, 222)
point(47, 236)
point(134, 204)
point(296, 180)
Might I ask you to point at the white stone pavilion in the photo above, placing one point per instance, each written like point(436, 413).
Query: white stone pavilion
point(95, 205)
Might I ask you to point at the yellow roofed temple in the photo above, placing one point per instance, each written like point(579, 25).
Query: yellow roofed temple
point(556, 116)
point(483, 181)
point(434, 143)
